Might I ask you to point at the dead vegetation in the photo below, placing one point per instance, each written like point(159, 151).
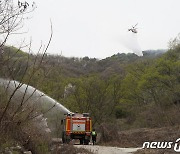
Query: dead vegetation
point(109, 133)
point(136, 137)
point(26, 135)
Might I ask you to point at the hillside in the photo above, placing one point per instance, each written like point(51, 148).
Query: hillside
point(74, 66)
point(124, 91)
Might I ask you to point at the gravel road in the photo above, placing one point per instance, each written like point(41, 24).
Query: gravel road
point(107, 150)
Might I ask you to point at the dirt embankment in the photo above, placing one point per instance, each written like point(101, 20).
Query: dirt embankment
point(136, 137)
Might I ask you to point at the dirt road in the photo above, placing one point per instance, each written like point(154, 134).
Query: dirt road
point(107, 150)
point(96, 149)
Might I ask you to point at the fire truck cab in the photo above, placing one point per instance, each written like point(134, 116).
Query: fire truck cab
point(77, 126)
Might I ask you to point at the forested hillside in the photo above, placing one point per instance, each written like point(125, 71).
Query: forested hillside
point(121, 92)
point(134, 91)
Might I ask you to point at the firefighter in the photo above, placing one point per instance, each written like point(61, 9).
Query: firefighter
point(94, 135)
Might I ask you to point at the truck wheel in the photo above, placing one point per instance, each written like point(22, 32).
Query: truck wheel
point(81, 141)
point(86, 142)
point(67, 141)
point(63, 137)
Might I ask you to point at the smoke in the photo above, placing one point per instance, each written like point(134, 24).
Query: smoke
point(130, 41)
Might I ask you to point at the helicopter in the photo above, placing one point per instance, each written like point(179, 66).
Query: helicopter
point(133, 29)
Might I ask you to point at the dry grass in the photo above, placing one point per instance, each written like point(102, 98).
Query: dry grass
point(136, 137)
point(25, 134)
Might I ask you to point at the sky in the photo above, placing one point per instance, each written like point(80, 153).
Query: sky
point(99, 28)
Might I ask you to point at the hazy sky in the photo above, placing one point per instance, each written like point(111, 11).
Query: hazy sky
point(99, 28)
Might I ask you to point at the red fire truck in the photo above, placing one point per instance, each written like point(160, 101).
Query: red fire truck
point(77, 126)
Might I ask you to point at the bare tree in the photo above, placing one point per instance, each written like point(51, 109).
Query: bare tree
point(12, 17)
